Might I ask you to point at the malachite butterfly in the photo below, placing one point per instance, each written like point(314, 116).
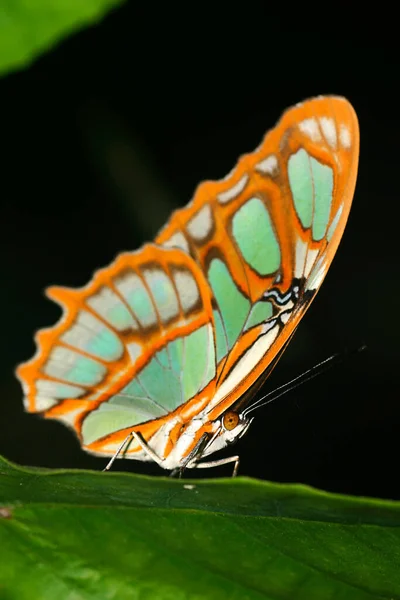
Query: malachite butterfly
point(165, 347)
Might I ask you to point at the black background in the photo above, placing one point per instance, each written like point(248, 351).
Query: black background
point(104, 135)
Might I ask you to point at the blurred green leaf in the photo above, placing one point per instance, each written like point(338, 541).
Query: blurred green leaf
point(30, 27)
point(72, 535)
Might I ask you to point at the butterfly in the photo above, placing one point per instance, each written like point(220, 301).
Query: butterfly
point(159, 356)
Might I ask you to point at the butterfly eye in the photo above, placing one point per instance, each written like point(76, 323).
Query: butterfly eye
point(230, 420)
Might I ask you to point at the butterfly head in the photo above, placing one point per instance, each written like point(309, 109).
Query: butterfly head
point(232, 426)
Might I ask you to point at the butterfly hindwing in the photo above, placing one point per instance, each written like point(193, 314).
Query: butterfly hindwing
point(131, 347)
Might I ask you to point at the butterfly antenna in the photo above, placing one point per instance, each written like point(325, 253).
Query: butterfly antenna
point(317, 369)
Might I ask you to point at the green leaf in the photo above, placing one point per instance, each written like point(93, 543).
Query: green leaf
point(28, 28)
point(72, 535)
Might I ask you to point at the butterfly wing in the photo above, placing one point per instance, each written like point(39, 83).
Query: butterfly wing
point(131, 348)
point(266, 235)
point(180, 330)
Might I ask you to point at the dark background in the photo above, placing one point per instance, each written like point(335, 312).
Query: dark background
point(104, 135)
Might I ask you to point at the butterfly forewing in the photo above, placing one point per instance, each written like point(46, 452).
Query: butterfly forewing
point(265, 235)
point(178, 331)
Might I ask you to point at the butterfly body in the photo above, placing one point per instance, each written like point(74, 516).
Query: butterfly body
point(170, 341)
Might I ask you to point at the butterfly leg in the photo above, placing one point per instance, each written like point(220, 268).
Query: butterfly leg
point(178, 472)
point(218, 463)
point(195, 454)
point(145, 447)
